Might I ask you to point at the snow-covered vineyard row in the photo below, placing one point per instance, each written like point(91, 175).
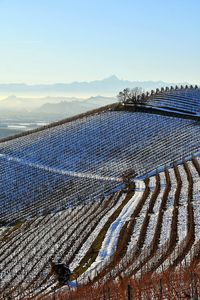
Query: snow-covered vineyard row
point(158, 252)
point(159, 201)
point(77, 160)
point(183, 101)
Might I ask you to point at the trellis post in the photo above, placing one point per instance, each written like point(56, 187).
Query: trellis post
point(130, 292)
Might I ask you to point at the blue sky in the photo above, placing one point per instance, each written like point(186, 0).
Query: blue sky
point(45, 41)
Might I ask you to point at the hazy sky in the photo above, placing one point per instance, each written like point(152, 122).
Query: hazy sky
point(44, 41)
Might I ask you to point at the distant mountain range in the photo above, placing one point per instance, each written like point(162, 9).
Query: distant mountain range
point(109, 86)
point(64, 106)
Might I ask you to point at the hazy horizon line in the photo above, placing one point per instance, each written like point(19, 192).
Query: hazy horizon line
point(89, 81)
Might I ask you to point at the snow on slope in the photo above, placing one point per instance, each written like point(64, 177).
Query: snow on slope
point(111, 238)
point(140, 219)
point(86, 246)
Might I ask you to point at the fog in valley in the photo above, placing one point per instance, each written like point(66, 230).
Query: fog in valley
point(24, 107)
point(25, 113)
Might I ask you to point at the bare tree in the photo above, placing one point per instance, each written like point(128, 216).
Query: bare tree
point(134, 96)
point(124, 95)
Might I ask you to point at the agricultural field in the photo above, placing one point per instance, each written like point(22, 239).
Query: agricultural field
point(64, 197)
point(183, 102)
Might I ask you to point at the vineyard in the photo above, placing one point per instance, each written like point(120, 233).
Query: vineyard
point(181, 101)
point(64, 198)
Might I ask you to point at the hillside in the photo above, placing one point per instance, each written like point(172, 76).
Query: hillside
point(182, 102)
point(64, 196)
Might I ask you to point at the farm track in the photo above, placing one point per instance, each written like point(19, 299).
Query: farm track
point(125, 234)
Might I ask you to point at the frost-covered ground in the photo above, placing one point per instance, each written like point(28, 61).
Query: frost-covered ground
point(154, 214)
point(76, 167)
point(26, 254)
point(181, 101)
point(140, 218)
point(110, 242)
point(86, 246)
point(85, 157)
point(182, 212)
point(167, 216)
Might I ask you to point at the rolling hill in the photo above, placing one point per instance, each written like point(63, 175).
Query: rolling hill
point(114, 194)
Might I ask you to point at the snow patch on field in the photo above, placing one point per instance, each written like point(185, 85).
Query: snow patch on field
point(56, 170)
point(86, 246)
point(2, 230)
point(140, 219)
point(182, 214)
point(111, 238)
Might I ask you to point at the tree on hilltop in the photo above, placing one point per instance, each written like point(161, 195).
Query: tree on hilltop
point(133, 96)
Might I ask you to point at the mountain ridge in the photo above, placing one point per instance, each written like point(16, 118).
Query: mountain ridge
point(107, 86)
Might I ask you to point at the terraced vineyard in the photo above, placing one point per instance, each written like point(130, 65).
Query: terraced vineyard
point(63, 197)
